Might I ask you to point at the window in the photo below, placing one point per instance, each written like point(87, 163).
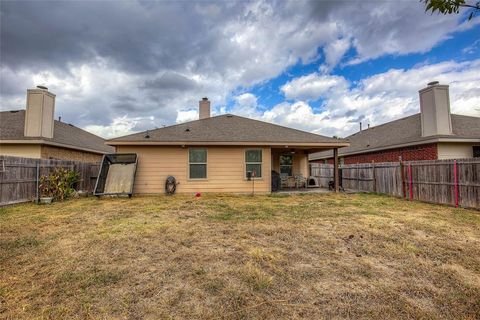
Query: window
point(476, 151)
point(286, 162)
point(253, 162)
point(197, 160)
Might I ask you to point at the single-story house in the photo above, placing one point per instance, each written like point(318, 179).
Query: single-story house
point(34, 133)
point(215, 154)
point(432, 134)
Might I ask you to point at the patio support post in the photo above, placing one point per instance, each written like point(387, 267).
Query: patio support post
point(335, 169)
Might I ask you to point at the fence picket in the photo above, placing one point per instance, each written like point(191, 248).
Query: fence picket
point(18, 179)
point(433, 181)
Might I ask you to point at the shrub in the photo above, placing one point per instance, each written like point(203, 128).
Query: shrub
point(59, 184)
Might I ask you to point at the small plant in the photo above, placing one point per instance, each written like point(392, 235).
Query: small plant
point(59, 184)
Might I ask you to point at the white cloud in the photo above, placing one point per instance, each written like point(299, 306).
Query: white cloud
point(314, 86)
point(171, 54)
point(375, 100)
point(246, 105)
point(188, 115)
point(119, 127)
point(395, 27)
point(334, 51)
point(471, 49)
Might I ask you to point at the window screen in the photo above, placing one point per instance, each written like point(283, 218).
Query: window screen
point(253, 162)
point(198, 163)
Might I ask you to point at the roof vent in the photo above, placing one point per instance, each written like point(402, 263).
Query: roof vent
point(433, 83)
point(14, 111)
point(187, 130)
point(42, 87)
point(147, 136)
point(229, 116)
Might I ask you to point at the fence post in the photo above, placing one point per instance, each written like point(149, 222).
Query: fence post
point(410, 182)
point(37, 178)
point(374, 177)
point(358, 177)
point(402, 174)
point(335, 170)
point(455, 182)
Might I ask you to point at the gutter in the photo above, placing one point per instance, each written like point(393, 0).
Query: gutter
point(241, 143)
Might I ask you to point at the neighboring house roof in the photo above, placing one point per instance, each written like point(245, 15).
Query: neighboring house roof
point(404, 132)
point(65, 135)
point(228, 130)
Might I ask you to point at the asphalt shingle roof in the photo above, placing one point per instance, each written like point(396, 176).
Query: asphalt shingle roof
point(403, 131)
point(227, 128)
point(12, 128)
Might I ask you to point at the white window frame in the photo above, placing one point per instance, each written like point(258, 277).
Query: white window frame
point(249, 162)
point(205, 163)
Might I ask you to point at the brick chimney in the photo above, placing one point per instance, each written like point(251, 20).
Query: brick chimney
point(435, 110)
point(204, 108)
point(39, 115)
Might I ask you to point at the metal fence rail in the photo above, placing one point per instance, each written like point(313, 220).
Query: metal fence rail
point(452, 182)
point(19, 177)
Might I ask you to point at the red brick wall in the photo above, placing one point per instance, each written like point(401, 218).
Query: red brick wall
point(420, 152)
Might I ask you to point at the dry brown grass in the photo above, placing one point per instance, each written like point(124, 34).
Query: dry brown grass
point(236, 257)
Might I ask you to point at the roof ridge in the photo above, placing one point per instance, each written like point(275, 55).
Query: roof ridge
point(279, 125)
point(74, 126)
point(170, 126)
point(383, 124)
point(226, 115)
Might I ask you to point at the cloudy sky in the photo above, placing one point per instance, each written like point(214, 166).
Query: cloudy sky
point(322, 66)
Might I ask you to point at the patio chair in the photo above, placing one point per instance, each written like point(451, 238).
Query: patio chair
point(291, 183)
point(300, 181)
point(283, 180)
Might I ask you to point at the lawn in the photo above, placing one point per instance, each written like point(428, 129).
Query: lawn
point(239, 257)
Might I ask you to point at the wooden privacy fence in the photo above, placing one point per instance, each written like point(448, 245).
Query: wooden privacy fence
point(19, 177)
point(452, 182)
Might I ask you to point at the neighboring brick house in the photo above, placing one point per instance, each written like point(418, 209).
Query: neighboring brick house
point(432, 134)
point(33, 133)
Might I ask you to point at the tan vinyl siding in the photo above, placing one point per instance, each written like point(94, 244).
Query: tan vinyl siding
point(455, 150)
point(300, 164)
point(225, 170)
point(21, 150)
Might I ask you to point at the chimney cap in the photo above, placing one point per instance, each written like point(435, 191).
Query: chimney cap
point(42, 87)
point(205, 99)
point(433, 83)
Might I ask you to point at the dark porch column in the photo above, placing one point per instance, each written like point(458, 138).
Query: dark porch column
point(335, 169)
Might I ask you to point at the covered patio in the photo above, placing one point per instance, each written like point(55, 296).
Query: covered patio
point(290, 166)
